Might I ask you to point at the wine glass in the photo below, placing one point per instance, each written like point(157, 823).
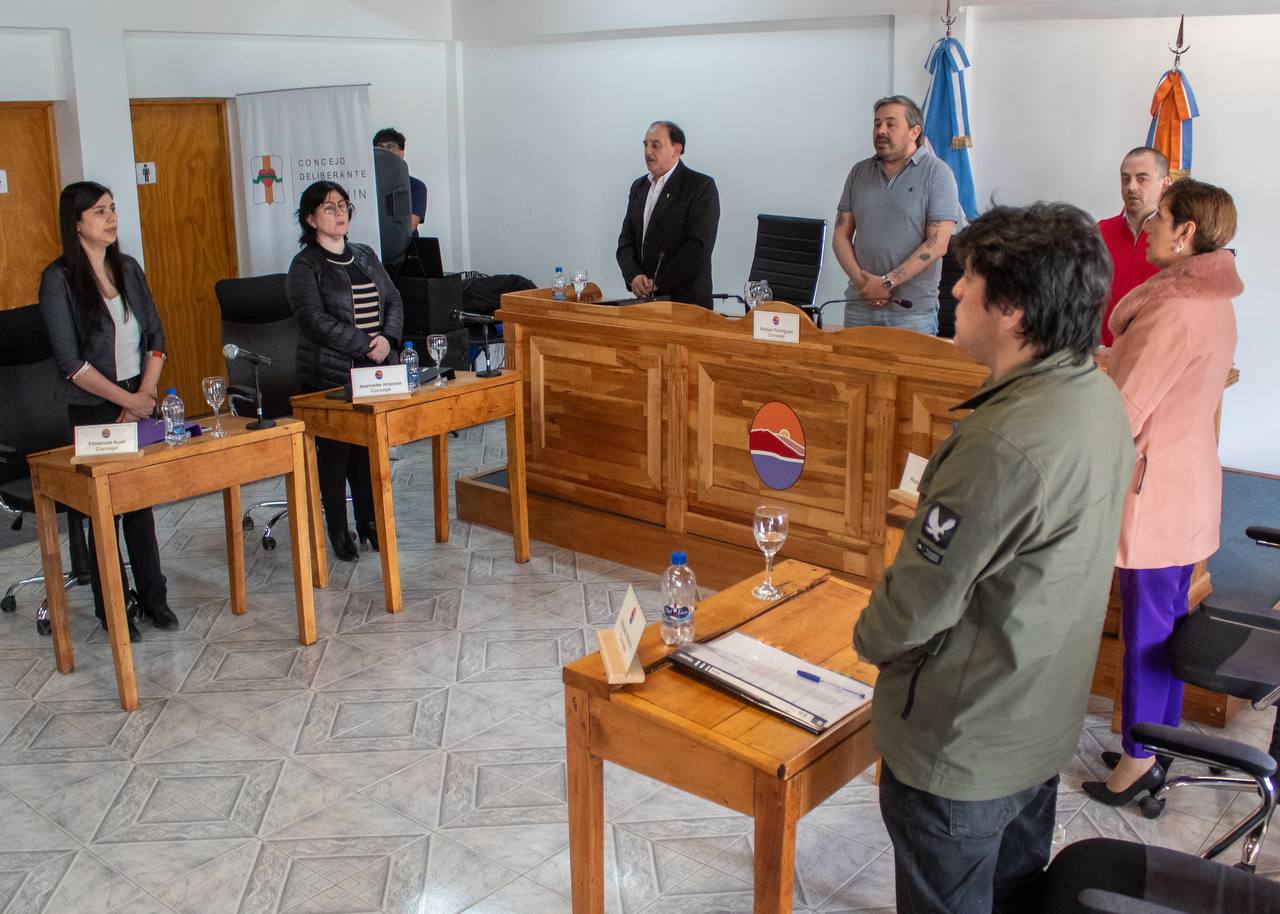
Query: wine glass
point(215, 393)
point(763, 292)
point(437, 346)
point(579, 282)
point(771, 532)
point(749, 292)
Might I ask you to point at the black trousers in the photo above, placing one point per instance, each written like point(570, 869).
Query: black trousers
point(967, 856)
point(139, 526)
point(339, 464)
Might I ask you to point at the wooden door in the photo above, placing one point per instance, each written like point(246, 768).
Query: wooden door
point(188, 231)
point(29, 211)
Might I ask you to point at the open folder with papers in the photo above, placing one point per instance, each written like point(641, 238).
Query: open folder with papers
point(804, 693)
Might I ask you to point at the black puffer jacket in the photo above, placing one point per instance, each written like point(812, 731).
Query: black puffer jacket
point(329, 345)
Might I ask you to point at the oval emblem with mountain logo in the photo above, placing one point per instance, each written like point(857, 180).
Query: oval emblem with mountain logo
point(777, 445)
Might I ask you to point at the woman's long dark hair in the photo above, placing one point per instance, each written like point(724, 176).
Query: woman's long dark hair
point(75, 199)
point(312, 199)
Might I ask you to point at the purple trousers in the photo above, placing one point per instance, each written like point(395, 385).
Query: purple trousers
point(1153, 599)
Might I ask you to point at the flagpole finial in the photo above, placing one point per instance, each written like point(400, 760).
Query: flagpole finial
point(948, 20)
point(1179, 47)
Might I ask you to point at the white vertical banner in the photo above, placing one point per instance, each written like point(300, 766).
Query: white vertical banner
point(290, 139)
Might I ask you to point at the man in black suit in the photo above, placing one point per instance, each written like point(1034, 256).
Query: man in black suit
point(672, 216)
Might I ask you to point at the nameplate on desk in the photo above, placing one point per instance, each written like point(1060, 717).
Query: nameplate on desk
point(119, 439)
point(381, 382)
point(912, 473)
point(776, 327)
point(618, 645)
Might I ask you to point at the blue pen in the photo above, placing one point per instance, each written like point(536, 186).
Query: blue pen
point(814, 677)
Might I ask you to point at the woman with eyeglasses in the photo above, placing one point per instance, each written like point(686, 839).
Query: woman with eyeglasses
point(349, 316)
point(109, 348)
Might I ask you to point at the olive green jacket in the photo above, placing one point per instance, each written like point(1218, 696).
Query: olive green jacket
point(986, 627)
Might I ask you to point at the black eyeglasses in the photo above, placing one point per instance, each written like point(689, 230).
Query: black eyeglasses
point(333, 209)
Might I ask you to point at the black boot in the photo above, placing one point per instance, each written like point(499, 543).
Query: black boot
point(367, 531)
point(161, 616)
point(344, 547)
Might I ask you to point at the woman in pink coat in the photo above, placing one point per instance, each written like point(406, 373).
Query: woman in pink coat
point(1175, 339)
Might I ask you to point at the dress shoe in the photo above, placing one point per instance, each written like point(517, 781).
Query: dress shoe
point(344, 547)
point(134, 635)
point(1111, 759)
point(1150, 782)
point(161, 616)
point(368, 533)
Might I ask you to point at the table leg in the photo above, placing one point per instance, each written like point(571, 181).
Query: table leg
point(56, 594)
point(231, 514)
point(295, 487)
point(440, 485)
point(777, 809)
point(107, 551)
point(319, 558)
point(385, 512)
point(516, 480)
point(586, 807)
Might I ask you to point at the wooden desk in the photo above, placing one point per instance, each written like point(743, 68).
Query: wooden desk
point(101, 490)
point(687, 734)
point(432, 412)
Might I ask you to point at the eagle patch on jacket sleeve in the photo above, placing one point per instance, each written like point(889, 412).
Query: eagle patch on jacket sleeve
point(937, 532)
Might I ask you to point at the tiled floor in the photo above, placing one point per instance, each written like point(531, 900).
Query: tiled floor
point(408, 763)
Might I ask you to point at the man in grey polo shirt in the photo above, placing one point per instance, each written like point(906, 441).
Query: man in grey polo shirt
point(893, 223)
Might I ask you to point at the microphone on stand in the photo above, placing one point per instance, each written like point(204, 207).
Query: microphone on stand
point(233, 352)
point(485, 321)
point(656, 270)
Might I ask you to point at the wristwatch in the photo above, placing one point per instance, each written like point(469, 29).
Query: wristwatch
point(888, 283)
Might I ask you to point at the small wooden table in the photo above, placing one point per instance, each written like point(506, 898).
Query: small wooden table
point(431, 412)
point(690, 735)
point(104, 488)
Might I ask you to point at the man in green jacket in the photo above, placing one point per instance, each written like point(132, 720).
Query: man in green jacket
point(986, 627)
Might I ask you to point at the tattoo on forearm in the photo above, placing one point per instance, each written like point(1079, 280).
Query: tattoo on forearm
point(926, 256)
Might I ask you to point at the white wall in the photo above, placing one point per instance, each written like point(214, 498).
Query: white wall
point(554, 130)
point(31, 65)
point(1093, 81)
point(407, 90)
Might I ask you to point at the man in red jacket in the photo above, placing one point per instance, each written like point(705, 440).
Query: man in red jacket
point(1144, 174)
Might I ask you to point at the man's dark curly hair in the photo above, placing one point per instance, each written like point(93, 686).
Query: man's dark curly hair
point(1049, 260)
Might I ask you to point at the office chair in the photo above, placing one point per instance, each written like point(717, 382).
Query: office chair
point(1120, 877)
point(33, 419)
point(256, 315)
point(1235, 652)
point(788, 256)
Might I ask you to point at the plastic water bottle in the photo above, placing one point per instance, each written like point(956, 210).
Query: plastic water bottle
point(557, 286)
point(679, 598)
point(409, 359)
point(175, 418)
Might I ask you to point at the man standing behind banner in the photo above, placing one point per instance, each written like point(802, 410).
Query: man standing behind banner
point(986, 626)
point(1144, 175)
point(670, 227)
point(893, 223)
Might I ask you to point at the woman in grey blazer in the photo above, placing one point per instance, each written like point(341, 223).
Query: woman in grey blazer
point(109, 348)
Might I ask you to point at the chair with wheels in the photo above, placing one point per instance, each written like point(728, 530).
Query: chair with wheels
point(32, 420)
point(256, 316)
point(788, 255)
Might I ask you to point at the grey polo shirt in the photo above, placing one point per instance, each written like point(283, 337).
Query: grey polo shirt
point(890, 216)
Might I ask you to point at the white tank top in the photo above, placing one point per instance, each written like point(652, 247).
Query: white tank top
point(128, 340)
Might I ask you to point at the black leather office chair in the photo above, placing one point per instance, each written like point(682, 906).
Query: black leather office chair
point(788, 255)
point(1109, 876)
point(256, 316)
point(32, 420)
point(952, 270)
point(1235, 651)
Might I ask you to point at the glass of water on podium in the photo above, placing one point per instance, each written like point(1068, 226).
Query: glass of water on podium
point(770, 528)
point(437, 346)
point(579, 282)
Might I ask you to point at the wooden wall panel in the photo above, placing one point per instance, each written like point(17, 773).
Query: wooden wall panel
point(29, 211)
point(188, 231)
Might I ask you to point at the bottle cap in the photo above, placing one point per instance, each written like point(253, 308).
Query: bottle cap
point(559, 269)
point(679, 558)
point(173, 391)
point(408, 344)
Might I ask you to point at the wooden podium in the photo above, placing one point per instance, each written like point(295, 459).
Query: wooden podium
point(639, 434)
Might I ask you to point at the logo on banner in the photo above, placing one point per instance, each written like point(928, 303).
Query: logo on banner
point(777, 445)
point(268, 186)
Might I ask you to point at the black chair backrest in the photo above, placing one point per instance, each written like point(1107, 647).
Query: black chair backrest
point(256, 316)
point(952, 270)
point(788, 256)
point(33, 418)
